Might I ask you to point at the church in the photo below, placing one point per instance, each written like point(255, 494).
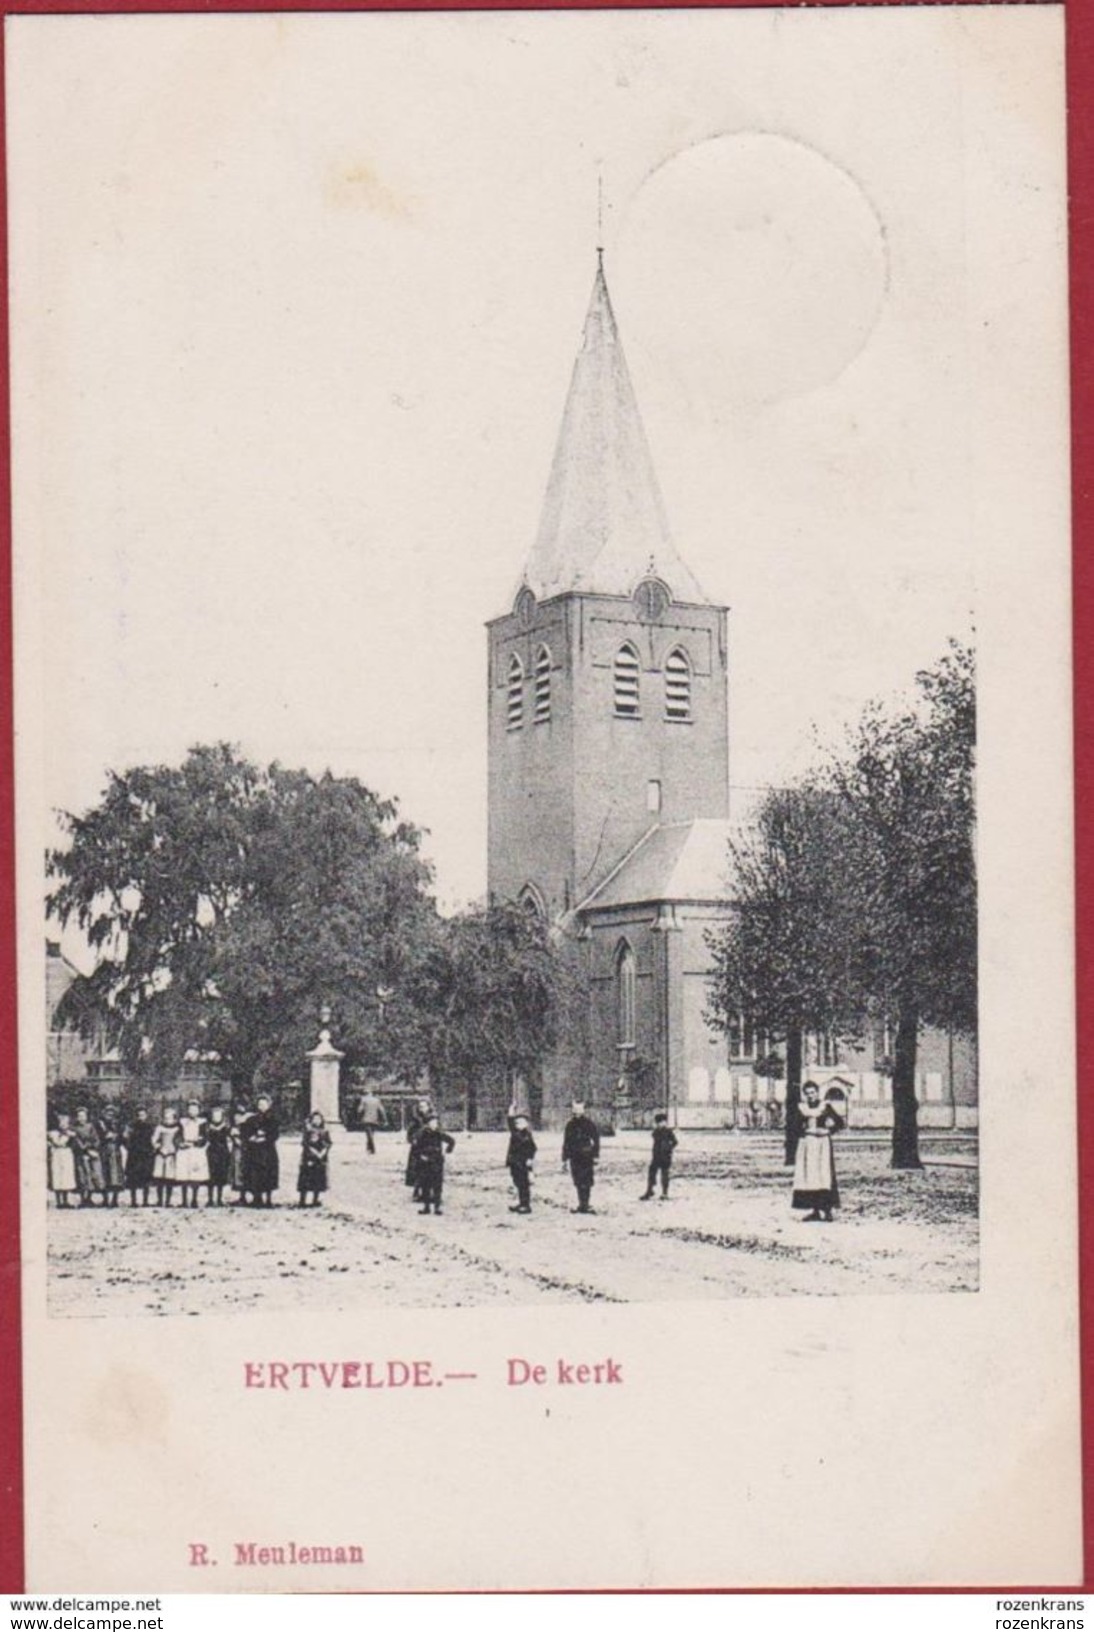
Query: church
point(608, 790)
point(609, 754)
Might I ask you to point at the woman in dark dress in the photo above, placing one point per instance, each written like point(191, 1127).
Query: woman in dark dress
point(112, 1156)
point(261, 1169)
point(140, 1157)
point(314, 1160)
point(89, 1161)
point(415, 1126)
point(218, 1152)
point(241, 1115)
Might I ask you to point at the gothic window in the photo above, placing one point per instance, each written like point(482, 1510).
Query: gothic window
point(625, 674)
point(532, 902)
point(625, 994)
point(677, 686)
point(542, 687)
point(514, 715)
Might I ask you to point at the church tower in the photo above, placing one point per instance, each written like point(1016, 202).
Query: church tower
point(608, 675)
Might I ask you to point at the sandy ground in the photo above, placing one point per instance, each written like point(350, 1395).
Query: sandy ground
point(726, 1231)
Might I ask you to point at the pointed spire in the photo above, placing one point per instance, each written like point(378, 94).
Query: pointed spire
point(603, 526)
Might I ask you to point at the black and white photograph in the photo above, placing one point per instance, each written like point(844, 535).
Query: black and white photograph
point(541, 563)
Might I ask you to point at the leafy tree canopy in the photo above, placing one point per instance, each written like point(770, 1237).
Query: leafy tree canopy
point(907, 785)
point(855, 892)
point(782, 961)
point(225, 902)
point(497, 991)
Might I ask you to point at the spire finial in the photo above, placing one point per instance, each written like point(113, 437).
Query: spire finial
point(600, 220)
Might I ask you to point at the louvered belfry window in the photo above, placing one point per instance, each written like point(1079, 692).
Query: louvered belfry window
point(677, 686)
point(625, 675)
point(542, 686)
point(514, 717)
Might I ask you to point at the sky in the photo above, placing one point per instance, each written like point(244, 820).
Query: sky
point(295, 304)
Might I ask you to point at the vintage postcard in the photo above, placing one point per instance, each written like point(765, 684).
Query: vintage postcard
point(541, 571)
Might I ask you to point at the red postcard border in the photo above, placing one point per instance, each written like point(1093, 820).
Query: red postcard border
point(1080, 99)
point(1079, 16)
point(11, 1359)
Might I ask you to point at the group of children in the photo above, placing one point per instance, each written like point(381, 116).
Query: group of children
point(427, 1144)
point(184, 1153)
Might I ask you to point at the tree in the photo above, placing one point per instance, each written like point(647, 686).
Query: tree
point(496, 991)
point(907, 787)
point(225, 903)
point(855, 893)
point(782, 961)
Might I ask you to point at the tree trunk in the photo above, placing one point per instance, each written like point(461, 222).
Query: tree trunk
point(905, 1109)
point(793, 1128)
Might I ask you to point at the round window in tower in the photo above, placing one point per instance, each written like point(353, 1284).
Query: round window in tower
point(652, 599)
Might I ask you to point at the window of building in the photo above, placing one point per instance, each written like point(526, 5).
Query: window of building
point(525, 606)
point(652, 599)
point(533, 903)
point(542, 684)
point(514, 716)
point(677, 686)
point(822, 1048)
point(625, 673)
point(746, 1042)
point(653, 797)
point(625, 993)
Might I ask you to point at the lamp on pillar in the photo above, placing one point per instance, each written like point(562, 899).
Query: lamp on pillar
point(324, 1062)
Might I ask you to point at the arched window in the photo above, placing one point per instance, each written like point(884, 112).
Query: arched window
point(533, 903)
point(525, 606)
point(542, 711)
point(625, 675)
point(677, 685)
point(514, 716)
point(625, 993)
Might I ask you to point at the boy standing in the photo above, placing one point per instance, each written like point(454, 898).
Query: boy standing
point(580, 1152)
point(430, 1146)
point(519, 1158)
point(664, 1143)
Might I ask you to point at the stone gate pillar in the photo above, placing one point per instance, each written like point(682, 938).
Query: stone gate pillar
point(324, 1063)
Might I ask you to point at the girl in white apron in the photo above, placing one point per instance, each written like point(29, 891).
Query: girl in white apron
point(192, 1162)
point(815, 1188)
